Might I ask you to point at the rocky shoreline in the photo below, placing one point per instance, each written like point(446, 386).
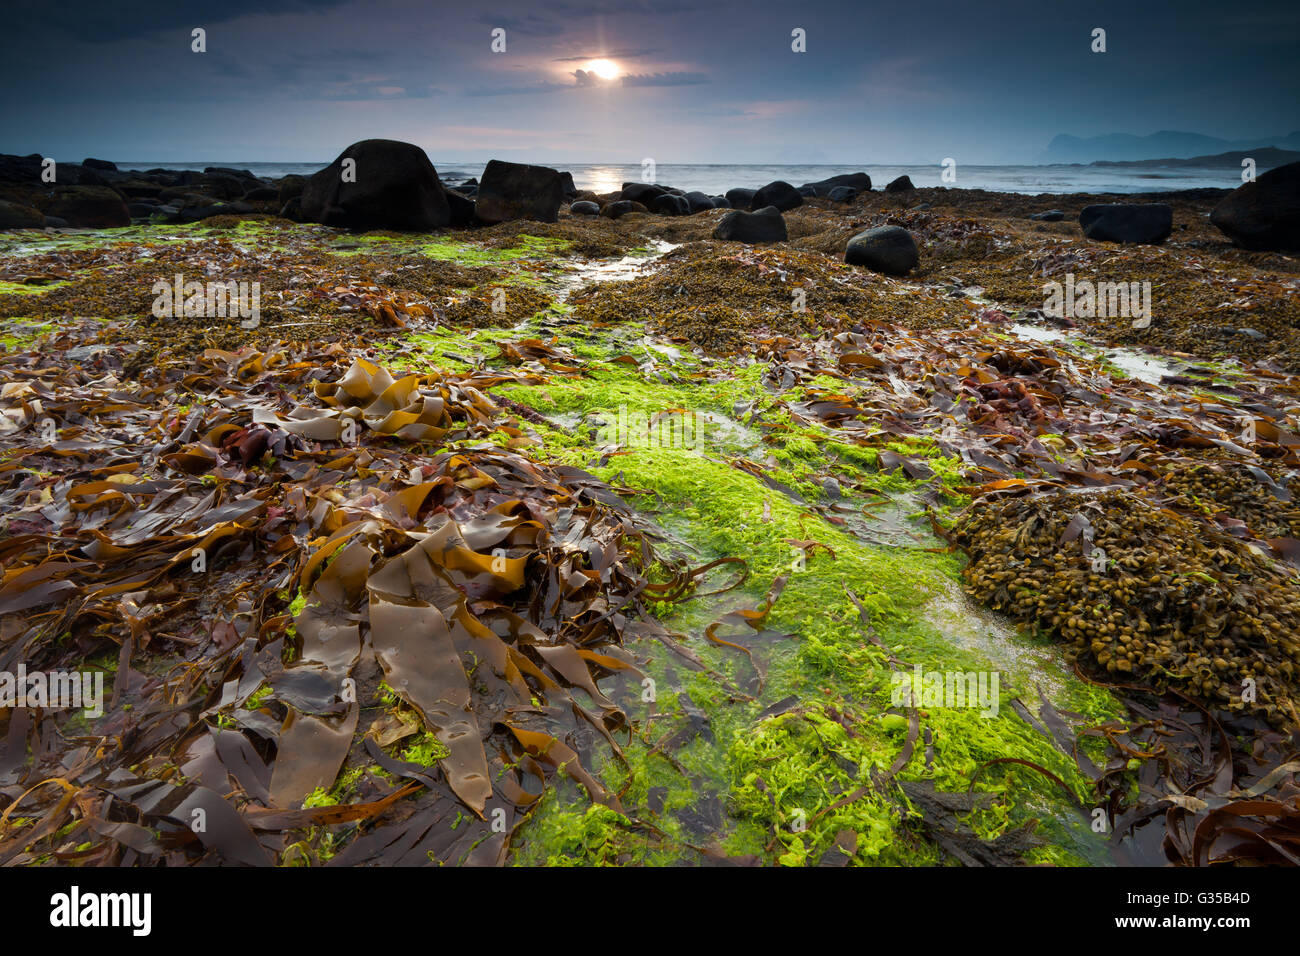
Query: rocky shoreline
point(426, 432)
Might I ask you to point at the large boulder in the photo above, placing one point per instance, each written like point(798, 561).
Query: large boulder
point(887, 249)
point(699, 202)
point(584, 207)
point(670, 205)
point(903, 184)
point(644, 193)
point(89, 207)
point(461, 208)
point(20, 169)
point(17, 216)
point(740, 198)
point(779, 194)
point(842, 194)
point(396, 187)
point(761, 225)
point(859, 182)
point(621, 207)
point(566, 185)
point(516, 191)
point(291, 186)
point(1264, 214)
point(1149, 222)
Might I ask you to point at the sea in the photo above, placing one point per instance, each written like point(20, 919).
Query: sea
point(718, 178)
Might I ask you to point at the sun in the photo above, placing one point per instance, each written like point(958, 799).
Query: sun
point(605, 69)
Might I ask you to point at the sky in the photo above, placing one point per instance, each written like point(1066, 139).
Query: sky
point(692, 81)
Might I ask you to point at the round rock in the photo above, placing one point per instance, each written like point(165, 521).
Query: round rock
point(887, 249)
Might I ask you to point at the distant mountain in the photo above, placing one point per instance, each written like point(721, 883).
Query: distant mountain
point(1265, 157)
point(1168, 144)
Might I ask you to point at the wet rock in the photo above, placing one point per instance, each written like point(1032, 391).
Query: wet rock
point(621, 207)
point(740, 198)
point(1254, 334)
point(396, 187)
point(779, 194)
point(644, 193)
point(699, 202)
point(99, 164)
point(858, 182)
point(262, 194)
point(510, 191)
point(290, 186)
point(461, 209)
point(585, 208)
point(903, 184)
point(1148, 223)
point(17, 216)
point(1051, 215)
point(89, 207)
point(762, 225)
point(1265, 214)
point(292, 209)
point(567, 189)
point(842, 194)
point(887, 249)
point(670, 205)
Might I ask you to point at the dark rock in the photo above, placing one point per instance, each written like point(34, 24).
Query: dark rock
point(902, 184)
point(262, 194)
point(142, 210)
point(89, 207)
point(721, 202)
point(54, 222)
point(515, 191)
point(228, 171)
point(292, 209)
point(17, 216)
point(859, 182)
point(216, 209)
point(644, 193)
point(99, 164)
point(1255, 334)
point(740, 198)
point(585, 208)
point(74, 174)
point(699, 202)
point(222, 186)
point(887, 249)
point(1051, 215)
point(622, 207)
point(138, 189)
point(461, 208)
point(1264, 214)
point(566, 185)
point(1127, 222)
point(396, 188)
point(761, 225)
point(20, 169)
point(472, 181)
point(670, 205)
point(290, 186)
point(779, 194)
point(842, 194)
point(807, 192)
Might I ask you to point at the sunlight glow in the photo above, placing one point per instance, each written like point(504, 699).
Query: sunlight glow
point(605, 69)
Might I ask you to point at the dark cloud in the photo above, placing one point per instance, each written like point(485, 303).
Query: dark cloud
point(91, 21)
